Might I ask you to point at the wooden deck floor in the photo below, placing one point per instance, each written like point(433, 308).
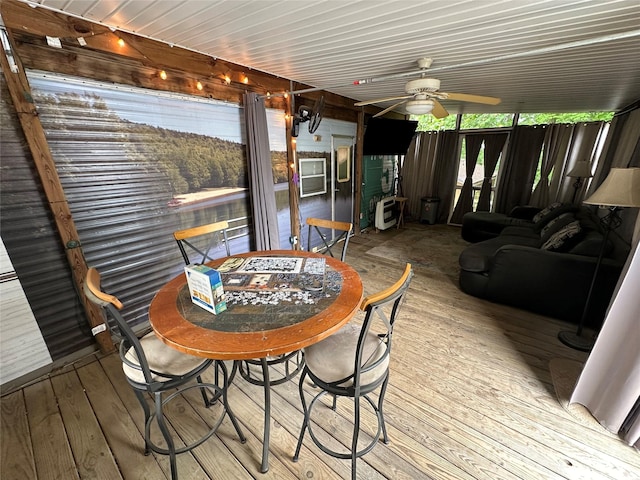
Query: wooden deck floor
point(470, 397)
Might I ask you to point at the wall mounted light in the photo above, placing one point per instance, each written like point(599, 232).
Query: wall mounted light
point(121, 42)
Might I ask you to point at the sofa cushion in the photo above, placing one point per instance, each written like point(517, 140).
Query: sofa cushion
point(555, 225)
point(545, 211)
point(561, 241)
point(591, 244)
point(553, 213)
point(478, 257)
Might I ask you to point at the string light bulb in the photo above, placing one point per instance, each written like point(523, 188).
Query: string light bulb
point(163, 75)
point(227, 79)
point(199, 85)
point(120, 42)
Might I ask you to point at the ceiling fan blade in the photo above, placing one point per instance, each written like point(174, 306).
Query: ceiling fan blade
point(388, 109)
point(380, 100)
point(464, 97)
point(438, 110)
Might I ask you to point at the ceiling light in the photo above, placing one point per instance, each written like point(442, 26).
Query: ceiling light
point(419, 107)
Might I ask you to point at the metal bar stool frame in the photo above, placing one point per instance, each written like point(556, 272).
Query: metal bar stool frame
point(350, 385)
point(157, 383)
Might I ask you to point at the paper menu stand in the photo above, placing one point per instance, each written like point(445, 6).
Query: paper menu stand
point(205, 288)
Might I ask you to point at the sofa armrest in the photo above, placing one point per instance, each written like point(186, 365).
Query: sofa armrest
point(551, 283)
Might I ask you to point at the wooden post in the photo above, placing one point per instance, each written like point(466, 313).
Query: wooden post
point(358, 169)
point(294, 179)
point(20, 92)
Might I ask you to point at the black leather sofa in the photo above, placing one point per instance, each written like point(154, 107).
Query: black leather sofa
point(536, 265)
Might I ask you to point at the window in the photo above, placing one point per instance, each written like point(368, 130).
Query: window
point(313, 176)
point(343, 159)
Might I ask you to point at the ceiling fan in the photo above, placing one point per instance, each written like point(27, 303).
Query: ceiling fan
point(423, 94)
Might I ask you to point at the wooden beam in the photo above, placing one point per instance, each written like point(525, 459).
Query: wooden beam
point(357, 174)
point(293, 176)
point(20, 92)
point(139, 60)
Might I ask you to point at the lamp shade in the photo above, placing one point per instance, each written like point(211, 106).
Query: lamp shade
point(581, 169)
point(419, 107)
point(621, 188)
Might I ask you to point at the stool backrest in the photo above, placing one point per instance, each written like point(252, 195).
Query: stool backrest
point(122, 330)
point(382, 309)
point(314, 230)
point(201, 240)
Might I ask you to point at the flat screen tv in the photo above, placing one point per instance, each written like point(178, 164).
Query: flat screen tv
point(383, 136)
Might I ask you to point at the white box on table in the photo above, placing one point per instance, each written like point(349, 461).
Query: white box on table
point(205, 287)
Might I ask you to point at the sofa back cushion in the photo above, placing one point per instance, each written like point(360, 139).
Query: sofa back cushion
point(564, 239)
point(545, 211)
point(555, 225)
point(553, 213)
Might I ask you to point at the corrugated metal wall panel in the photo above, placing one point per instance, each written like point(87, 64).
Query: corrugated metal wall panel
point(28, 231)
point(118, 196)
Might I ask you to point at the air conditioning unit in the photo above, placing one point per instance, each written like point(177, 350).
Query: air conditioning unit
point(385, 213)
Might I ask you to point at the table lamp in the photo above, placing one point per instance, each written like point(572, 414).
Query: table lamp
point(580, 171)
point(620, 189)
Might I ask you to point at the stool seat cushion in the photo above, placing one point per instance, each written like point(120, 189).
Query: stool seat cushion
point(161, 358)
point(333, 358)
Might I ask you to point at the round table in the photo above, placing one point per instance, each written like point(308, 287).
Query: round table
point(284, 311)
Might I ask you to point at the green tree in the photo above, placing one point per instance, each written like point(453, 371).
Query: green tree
point(427, 123)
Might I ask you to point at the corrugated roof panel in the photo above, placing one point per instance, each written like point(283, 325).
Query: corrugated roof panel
point(329, 44)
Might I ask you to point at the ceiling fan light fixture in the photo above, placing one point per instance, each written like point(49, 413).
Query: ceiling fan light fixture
point(419, 107)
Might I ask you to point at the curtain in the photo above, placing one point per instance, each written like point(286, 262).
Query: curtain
point(609, 385)
point(583, 146)
point(556, 143)
point(518, 172)
point(465, 201)
point(418, 171)
point(263, 199)
point(493, 145)
point(445, 172)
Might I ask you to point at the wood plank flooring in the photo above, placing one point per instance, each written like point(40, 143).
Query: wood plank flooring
point(470, 397)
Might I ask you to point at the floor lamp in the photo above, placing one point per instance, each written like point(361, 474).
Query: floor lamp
point(580, 171)
point(620, 189)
